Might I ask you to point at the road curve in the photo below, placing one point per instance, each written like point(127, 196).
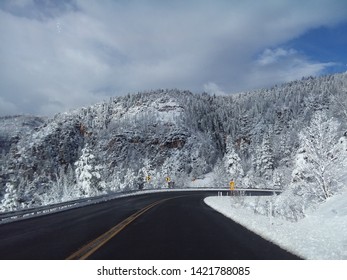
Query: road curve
point(172, 225)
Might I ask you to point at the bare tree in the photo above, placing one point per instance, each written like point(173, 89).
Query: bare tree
point(316, 163)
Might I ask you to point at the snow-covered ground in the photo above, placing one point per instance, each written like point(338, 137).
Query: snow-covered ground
point(321, 235)
point(205, 181)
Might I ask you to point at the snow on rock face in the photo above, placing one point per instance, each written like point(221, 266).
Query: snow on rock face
point(162, 110)
point(13, 127)
point(106, 147)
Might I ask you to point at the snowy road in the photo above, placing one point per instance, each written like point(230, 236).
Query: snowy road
point(181, 226)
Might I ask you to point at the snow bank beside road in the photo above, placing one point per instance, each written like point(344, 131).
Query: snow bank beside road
point(321, 235)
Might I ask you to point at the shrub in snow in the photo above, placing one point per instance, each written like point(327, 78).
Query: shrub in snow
point(289, 205)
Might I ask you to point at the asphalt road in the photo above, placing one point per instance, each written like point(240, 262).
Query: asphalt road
point(169, 226)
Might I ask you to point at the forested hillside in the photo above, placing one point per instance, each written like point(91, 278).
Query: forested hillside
point(289, 137)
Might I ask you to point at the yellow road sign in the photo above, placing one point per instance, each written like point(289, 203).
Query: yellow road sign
point(148, 178)
point(232, 185)
point(168, 179)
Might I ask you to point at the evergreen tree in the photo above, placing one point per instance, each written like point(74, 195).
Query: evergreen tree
point(220, 177)
point(88, 174)
point(232, 162)
point(129, 180)
point(10, 201)
point(264, 160)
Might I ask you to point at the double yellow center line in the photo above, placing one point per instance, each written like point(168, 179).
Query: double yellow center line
point(94, 245)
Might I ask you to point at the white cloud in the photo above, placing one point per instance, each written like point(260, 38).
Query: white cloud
point(213, 88)
point(280, 65)
point(62, 56)
point(271, 56)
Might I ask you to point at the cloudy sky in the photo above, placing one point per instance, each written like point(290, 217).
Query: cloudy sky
point(58, 55)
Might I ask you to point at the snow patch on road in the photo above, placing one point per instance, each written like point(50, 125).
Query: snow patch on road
point(322, 234)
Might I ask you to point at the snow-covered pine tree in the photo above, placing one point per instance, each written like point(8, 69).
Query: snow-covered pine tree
point(232, 161)
point(10, 202)
point(88, 176)
point(264, 159)
point(140, 180)
point(220, 177)
point(338, 96)
point(129, 180)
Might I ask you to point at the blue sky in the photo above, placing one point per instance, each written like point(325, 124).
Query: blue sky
point(325, 44)
point(60, 55)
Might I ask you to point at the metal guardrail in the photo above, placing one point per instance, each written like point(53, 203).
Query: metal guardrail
point(38, 210)
point(57, 207)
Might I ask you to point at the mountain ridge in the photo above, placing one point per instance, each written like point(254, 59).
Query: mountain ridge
point(115, 145)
